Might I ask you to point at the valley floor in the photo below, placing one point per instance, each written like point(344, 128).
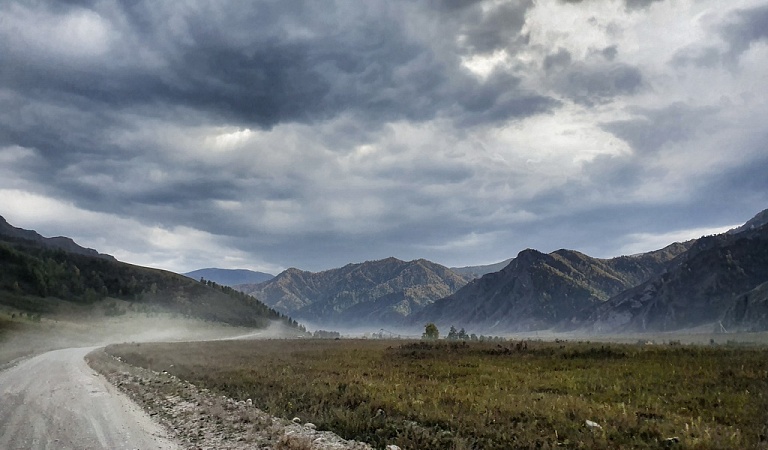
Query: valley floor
point(455, 395)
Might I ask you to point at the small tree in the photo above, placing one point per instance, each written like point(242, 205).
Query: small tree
point(431, 332)
point(453, 334)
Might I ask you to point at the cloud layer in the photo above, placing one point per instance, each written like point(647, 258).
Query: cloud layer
point(275, 134)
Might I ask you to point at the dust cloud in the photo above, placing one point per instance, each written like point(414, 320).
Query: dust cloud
point(28, 337)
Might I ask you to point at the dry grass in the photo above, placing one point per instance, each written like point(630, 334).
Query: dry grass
point(490, 396)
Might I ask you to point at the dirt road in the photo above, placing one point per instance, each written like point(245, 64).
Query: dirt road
point(55, 401)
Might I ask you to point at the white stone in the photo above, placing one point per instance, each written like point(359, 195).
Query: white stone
point(593, 425)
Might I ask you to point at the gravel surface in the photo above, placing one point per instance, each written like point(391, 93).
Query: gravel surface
point(55, 401)
point(200, 420)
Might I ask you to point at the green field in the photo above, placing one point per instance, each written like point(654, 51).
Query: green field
point(451, 395)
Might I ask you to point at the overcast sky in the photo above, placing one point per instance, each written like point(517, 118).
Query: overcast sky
point(311, 134)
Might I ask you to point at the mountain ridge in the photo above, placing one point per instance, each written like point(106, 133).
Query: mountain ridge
point(358, 293)
point(537, 290)
point(59, 242)
point(705, 285)
point(229, 277)
point(714, 279)
point(719, 279)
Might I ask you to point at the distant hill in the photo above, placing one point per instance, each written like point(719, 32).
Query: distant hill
point(537, 290)
point(373, 293)
point(38, 275)
point(719, 279)
point(230, 277)
point(60, 242)
point(479, 271)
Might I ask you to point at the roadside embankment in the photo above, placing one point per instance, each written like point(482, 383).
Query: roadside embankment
point(201, 420)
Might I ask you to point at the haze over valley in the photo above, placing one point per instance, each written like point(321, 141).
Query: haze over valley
point(714, 283)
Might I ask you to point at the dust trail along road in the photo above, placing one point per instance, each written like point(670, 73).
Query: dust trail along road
point(55, 401)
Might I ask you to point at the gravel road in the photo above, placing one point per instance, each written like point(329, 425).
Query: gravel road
point(55, 401)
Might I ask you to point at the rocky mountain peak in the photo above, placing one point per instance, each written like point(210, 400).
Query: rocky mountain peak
point(373, 291)
point(760, 220)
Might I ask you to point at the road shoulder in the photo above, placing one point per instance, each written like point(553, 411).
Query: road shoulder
point(202, 420)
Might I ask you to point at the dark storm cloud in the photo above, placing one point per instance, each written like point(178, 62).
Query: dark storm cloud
point(610, 52)
point(434, 174)
point(745, 27)
point(591, 83)
point(656, 128)
point(587, 84)
point(257, 64)
point(500, 29)
point(249, 64)
point(739, 29)
point(498, 99)
point(267, 63)
point(740, 185)
point(700, 57)
point(316, 134)
point(633, 5)
point(262, 79)
point(453, 6)
point(55, 129)
point(561, 59)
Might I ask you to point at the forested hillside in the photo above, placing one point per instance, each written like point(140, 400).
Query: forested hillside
point(43, 279)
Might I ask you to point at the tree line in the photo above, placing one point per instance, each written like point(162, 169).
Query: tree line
point(431, 332)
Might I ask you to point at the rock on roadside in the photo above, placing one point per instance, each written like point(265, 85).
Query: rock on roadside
point(200, 420)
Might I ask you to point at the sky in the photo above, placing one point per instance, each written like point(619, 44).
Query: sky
point(274, 134)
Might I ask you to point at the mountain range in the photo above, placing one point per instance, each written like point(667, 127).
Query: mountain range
point(715, 281)
point(720, 279)
point(372, 293)
point(537, 290)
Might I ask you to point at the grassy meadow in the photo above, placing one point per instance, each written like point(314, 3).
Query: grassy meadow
point(454, 395)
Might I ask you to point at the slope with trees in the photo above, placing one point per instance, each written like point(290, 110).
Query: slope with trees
point(40, 278)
